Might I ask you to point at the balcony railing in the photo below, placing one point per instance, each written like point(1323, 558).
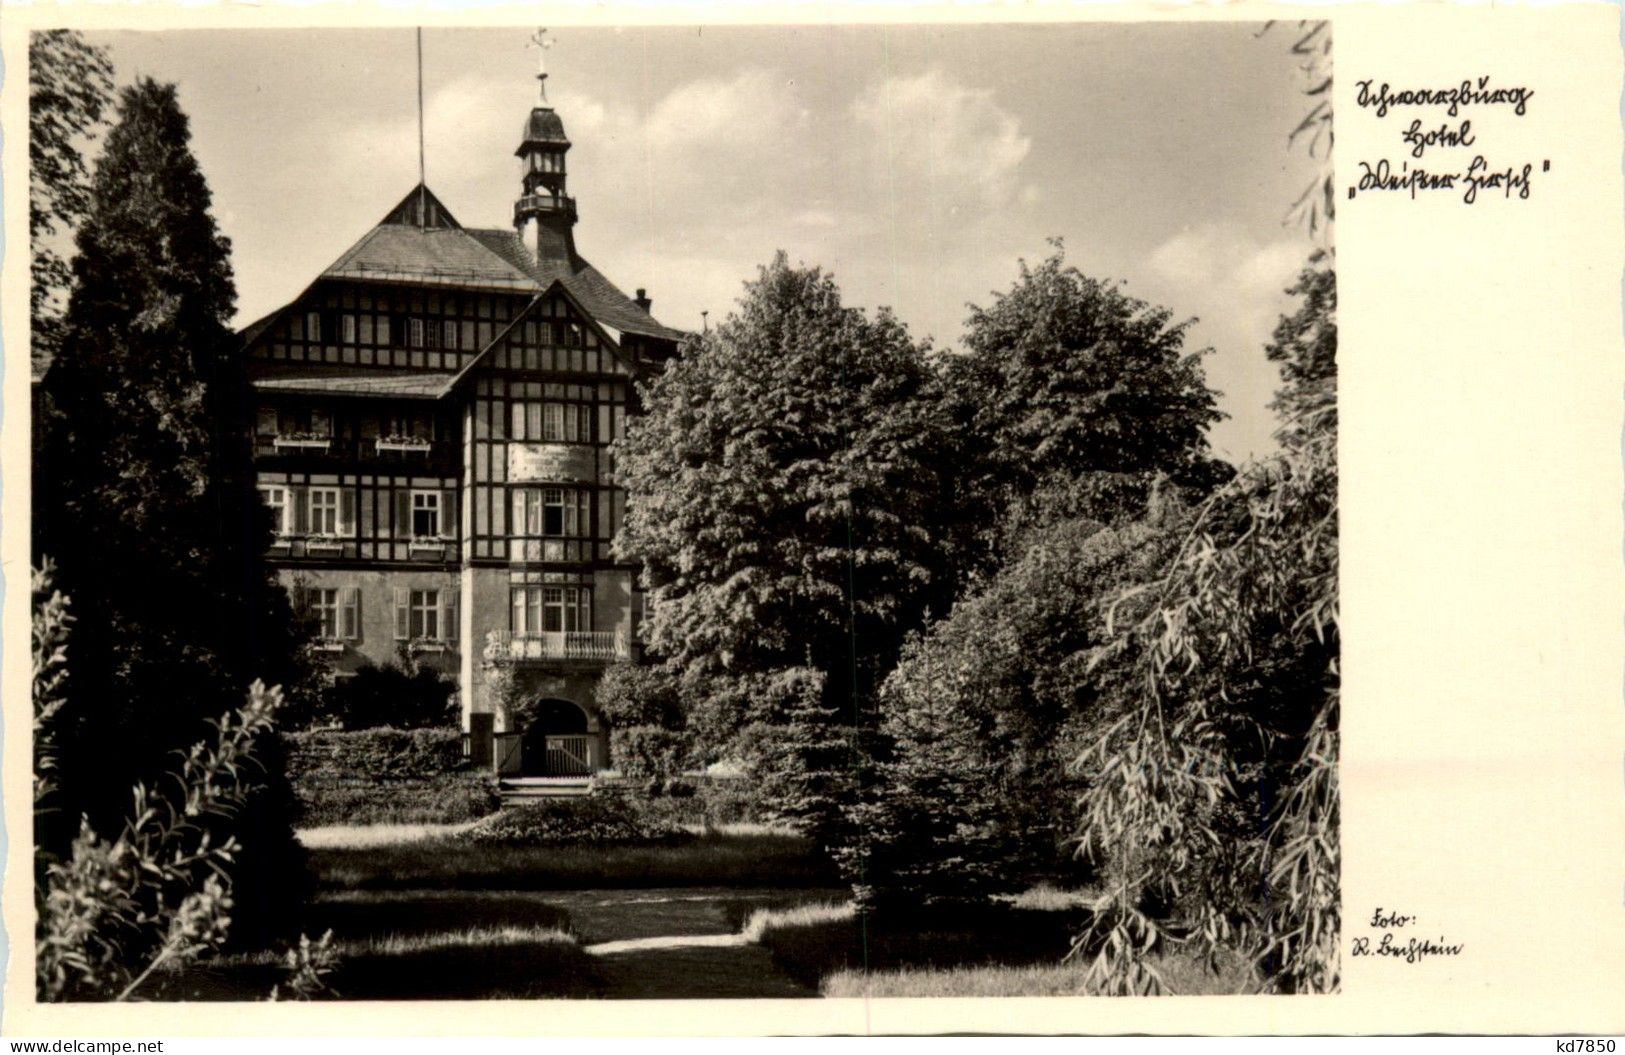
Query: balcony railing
point(596, 645)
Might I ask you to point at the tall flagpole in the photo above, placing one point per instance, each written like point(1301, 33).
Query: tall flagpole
point(423, 201)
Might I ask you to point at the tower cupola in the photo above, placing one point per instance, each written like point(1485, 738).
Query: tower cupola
point(544, 213)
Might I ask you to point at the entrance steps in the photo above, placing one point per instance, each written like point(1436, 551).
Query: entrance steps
point(522, 789)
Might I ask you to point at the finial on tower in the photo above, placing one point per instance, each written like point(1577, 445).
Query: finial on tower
point(541, 42)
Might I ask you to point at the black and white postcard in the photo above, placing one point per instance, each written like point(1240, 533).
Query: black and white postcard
point(757, 519)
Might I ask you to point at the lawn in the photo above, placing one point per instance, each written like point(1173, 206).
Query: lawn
point(748, 856)
point(1183, 974)
point(1016, 948)
point(572, 902)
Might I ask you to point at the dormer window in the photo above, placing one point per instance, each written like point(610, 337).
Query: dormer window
point(313, 325)
point(414, 332)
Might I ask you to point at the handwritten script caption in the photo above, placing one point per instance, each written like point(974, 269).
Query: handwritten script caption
point(1390, 941)
point(1446, 139)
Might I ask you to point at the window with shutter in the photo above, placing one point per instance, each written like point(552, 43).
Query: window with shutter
point(403, 514)
point(346, 512)
point(424, 614)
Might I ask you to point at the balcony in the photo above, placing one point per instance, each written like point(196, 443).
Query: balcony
point(592, 646)
point(539, 203)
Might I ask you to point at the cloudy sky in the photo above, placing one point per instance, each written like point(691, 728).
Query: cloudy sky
point(918, 164)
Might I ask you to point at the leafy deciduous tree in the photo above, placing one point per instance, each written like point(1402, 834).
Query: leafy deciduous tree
point(782, 491)
point(1068, 376)
point(70, 85)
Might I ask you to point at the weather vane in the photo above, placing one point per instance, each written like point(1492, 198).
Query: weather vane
point(541, 42)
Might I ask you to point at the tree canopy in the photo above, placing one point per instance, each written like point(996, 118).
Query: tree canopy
point(1067, 375)
point(782, 488)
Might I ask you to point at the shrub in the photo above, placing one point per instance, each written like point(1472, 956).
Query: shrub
point(377, 776)
point(647, 753)
point(564, 822)
point(392, 696)
point(115, 911)
point(632, 695)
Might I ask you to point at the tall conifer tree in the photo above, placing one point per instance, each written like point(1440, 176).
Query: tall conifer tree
point(143, 491)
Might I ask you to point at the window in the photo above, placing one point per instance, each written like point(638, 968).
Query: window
point(448, 334)
point(347, 329)
point(313, 325)
point(541, 610)
point(423, 619)
point(383, 329)
point(425, 514)
point(276, 500)
point(551, 511)
point(324, 511)
point(552, 422)
point(425, 615)
point(414, 332)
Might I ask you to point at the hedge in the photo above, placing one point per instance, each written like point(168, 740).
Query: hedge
point(378, 776)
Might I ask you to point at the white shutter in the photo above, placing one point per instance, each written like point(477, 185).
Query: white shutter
point(448, 615)
point(350, 614)
point(402, 601)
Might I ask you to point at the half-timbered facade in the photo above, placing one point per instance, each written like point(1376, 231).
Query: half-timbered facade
point(432, 428)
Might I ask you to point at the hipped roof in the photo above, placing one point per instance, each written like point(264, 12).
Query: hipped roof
point(401, 249)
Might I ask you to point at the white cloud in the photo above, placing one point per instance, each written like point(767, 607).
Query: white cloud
point(933, 135)
point(1235, 284)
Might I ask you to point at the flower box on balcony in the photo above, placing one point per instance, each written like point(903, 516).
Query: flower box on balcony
point(423, 645)
point(328, 645)
point(324, 544)
point(302, 441)
point(430, 545)
point(404, 444)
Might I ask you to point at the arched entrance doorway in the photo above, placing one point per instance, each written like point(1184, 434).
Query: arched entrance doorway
point(556, 742)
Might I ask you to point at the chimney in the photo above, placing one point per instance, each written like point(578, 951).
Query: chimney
point(642, 301)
